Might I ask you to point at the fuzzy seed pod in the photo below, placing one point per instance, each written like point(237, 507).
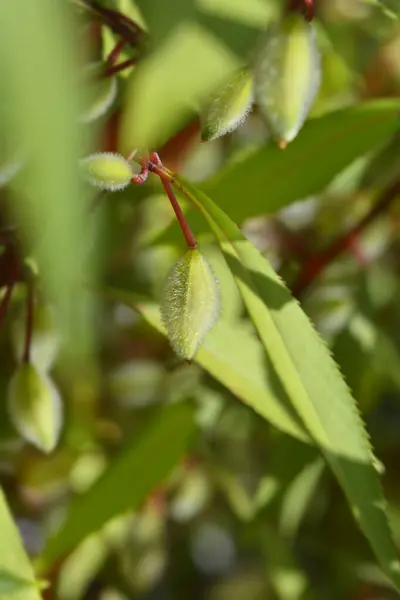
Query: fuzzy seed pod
point(229, 108)
point(190, 303)
point(287, 77)
point(35, 407)
point(107, 170)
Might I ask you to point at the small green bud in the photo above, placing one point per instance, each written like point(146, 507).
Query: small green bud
point(101, 92)
point(108, 170)
point(287, 77)
point(35, 407)
point(229, 108)
point(190, 303)
point(45, 341)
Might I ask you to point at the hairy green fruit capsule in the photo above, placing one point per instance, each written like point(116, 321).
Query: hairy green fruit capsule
point(190, 303)
point(229, 108)
point(287, 77)
point(35, 407)
point(107, 170)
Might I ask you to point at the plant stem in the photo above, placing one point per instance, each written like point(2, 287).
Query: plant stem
point(115, 52)
point(305, 6)
point(156, 166)
point(29, 323)
point(5, 302)
point(316, 264)
point(187, 232)
point(127, 29)
point(113, 69)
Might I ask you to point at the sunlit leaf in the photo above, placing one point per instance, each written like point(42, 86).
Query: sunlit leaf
point(268, 179)
point(235, 358)
point(310, 378)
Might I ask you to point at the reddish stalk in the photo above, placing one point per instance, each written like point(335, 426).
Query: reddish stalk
point(157, 167)
point(115, 52)
point(5, 302)
point(305, 6)
point(29, 323)
point(113, 69)
point(127, 29)
point(144, 171)
point(317, 264)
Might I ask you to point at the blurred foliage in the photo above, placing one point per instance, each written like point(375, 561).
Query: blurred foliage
point(209, 479)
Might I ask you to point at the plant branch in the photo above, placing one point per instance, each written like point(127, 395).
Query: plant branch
point(155, 165)
point(113, 69)
point(317, 264)
point(5, 302)
point(29, 323)
point(127, 29)
point(304, 6)
point(115, 52)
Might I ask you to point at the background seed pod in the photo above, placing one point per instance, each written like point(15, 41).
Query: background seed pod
point(107, 170)
point(229, 108)
point(45, 341)
point(190, 303)
point(287, 76)
point(35, 407)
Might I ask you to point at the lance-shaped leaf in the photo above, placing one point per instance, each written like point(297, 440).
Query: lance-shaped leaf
point(17, 580)
point(311, 379)
point(190, 303)
point(229, 108)
point(35, 407)
point(107, 170)
point(287, 76)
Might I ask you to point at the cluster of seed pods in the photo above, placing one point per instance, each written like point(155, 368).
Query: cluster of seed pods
point(283, 82)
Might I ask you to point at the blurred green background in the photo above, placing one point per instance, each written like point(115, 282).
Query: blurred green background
point(201, 497)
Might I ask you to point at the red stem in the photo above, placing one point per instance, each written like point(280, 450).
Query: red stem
point(144, 171)
point(187, 232)
point(115, 52)
point(5, 302)
point(29, 323)
point(314, 267)
point(305, 6)
point(113, 69)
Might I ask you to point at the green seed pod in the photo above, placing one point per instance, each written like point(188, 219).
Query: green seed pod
point(35, 407)
point(107, 170)
point(287, 77)
point(45, 341)
point(190, 303)
point(229, 108)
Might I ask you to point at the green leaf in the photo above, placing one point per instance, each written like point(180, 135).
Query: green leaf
point(268, 179)
point(310, 378)
point(298, 495)
point(235, 358)
point(16, 573)
point(42, 103)
point(143, 464)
